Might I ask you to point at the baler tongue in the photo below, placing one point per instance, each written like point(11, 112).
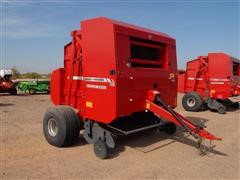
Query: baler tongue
point(161, 109)
point(196, 129)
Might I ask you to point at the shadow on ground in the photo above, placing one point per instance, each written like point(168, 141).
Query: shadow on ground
point(6, 94)
point(24, 94)
point(151, 140)
point(6, 104)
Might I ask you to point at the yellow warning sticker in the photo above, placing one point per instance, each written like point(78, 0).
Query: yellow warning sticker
point(171, 76)
point(89, 104)
point(212, 92)
point(147, 105)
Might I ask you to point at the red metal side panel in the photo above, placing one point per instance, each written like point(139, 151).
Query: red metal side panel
point(172, 77)
point(68, 50)
point(57, 86)
point(98, 45)
point(181, 83)
point(126, 103)
point(133, 83)
point(235, 83)
point(195, 78)
point(220, 72)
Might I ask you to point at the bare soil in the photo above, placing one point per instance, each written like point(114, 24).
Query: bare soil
point(150, 155)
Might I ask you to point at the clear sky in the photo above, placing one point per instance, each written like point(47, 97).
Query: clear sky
point(33, 33)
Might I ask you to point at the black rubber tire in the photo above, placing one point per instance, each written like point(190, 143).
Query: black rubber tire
point(235, 105)
point(13, 91)
point(100, 149)
point(194, 97)
point(67, 124)
point(170, 128)
point(32, 91)
point(221, 110)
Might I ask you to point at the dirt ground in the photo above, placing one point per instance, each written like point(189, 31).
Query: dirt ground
point(26, 154)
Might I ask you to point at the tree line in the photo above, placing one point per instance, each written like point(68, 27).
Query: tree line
point(29, 75)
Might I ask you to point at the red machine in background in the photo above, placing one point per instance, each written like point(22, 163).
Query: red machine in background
point(210, 80)
point(115, 81)
point(6, 83)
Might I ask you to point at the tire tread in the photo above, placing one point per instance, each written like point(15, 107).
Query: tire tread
point(198, 99)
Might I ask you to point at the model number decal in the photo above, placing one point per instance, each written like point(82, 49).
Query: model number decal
point(192, 78)
point(93, 86)
point(95, 79)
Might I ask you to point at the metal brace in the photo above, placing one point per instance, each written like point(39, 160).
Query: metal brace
point(205, 148)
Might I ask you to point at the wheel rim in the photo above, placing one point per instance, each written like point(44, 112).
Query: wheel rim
point(99, 148)
point(191, 102)
point(221, 110)
point(52, 127)
point(32, 91)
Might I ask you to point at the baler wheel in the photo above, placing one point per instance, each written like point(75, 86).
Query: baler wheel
point(13, 91)
point(100, 149)
point(170, 128)
point(32, 91)
point(192, 102)
point(235, 105)
point(60, 126)
point(221, 110)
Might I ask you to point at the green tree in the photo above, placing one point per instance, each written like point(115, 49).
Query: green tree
point(16, 73)
point(31, 75)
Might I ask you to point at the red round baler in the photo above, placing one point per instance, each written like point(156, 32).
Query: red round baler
point(117, 79)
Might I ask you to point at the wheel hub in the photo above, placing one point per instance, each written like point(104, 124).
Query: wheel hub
point(191, 102)
point(52, 127)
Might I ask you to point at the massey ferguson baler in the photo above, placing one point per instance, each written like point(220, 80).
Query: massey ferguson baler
point(117, 79)
point(210, 81)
